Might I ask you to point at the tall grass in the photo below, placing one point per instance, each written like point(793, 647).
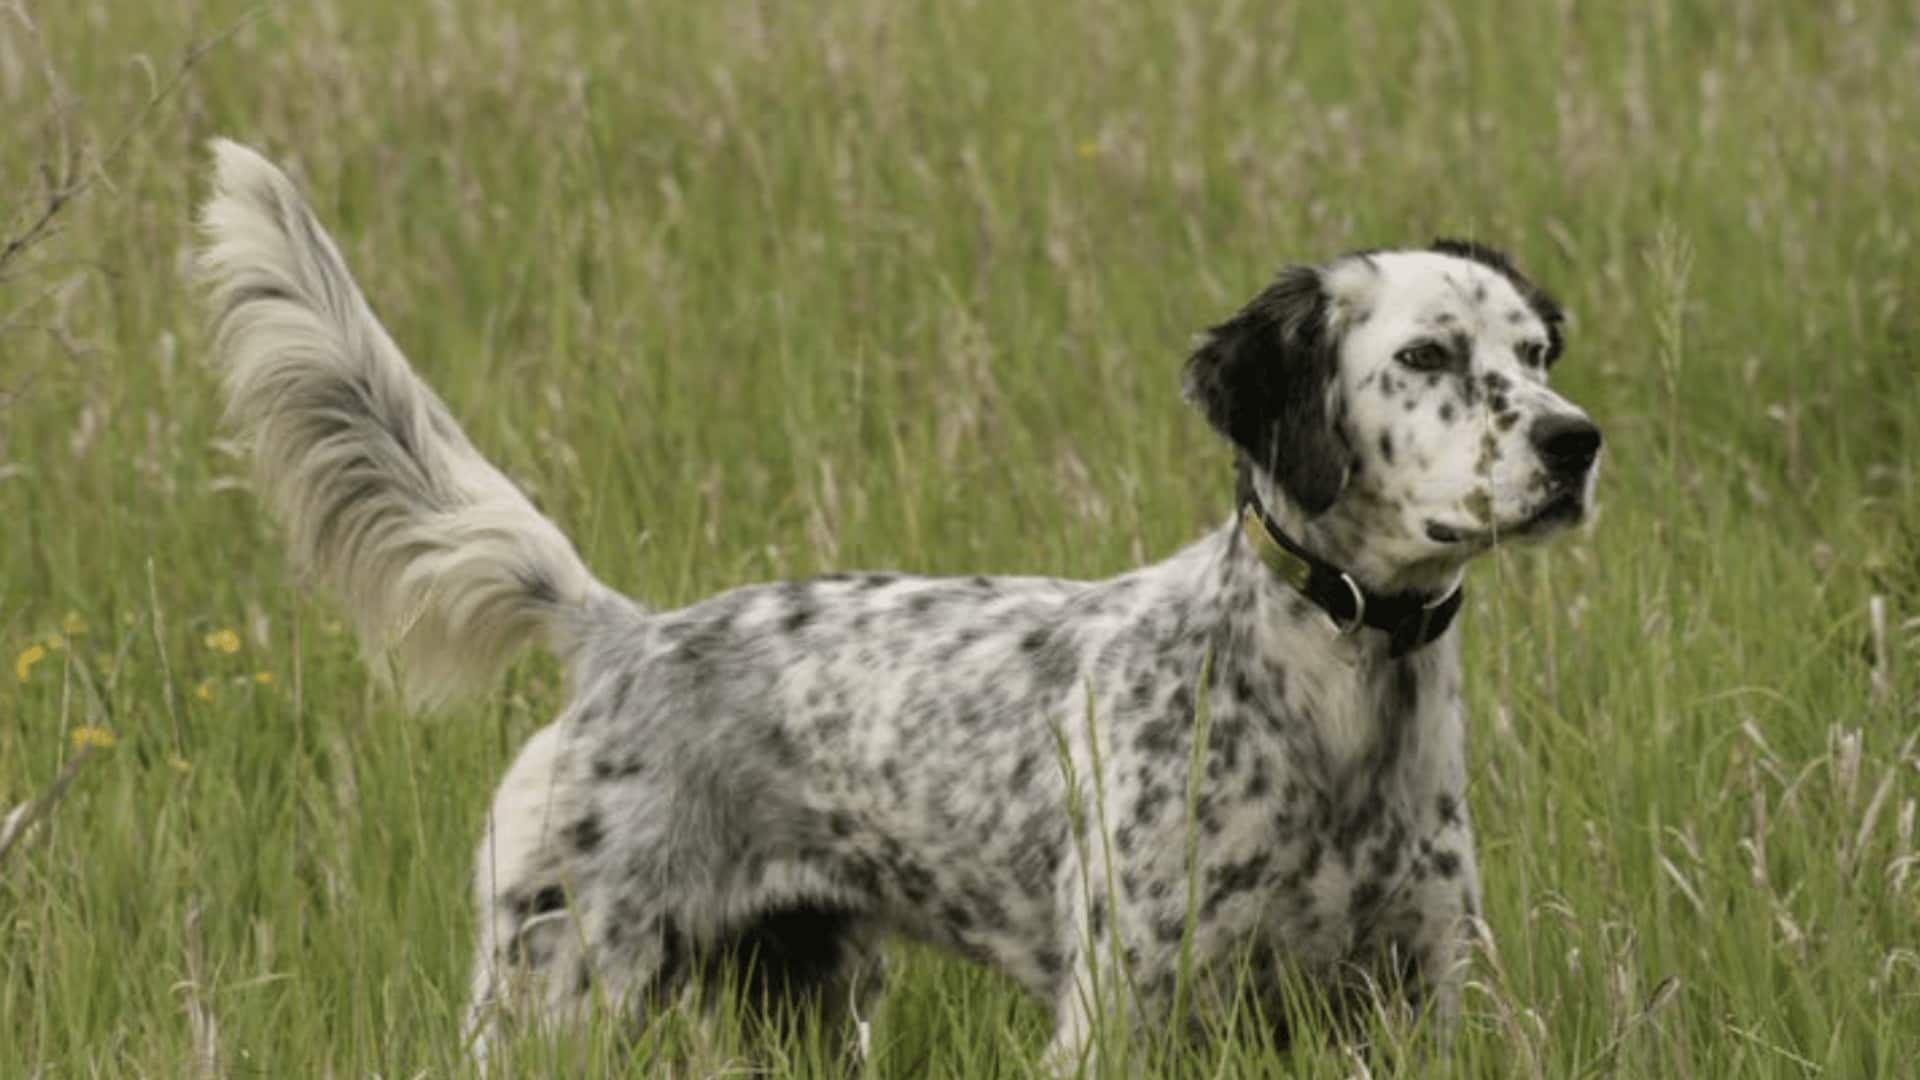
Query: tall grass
point(743, 290)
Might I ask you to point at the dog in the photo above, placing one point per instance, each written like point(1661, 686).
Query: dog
point(1106, 790)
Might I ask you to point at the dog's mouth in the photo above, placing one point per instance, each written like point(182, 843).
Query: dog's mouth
point(1565, 508)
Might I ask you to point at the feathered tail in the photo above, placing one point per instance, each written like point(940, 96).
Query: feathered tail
point(441, 560)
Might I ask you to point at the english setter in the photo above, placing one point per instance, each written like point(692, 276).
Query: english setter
point(1250, 750)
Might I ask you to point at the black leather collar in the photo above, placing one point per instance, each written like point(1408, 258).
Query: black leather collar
point(1410, 619)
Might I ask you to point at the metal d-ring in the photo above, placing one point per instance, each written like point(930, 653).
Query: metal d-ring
point(1359, 607)
point(1446, 594)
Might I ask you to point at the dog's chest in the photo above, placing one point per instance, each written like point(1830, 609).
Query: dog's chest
point(1330, 779)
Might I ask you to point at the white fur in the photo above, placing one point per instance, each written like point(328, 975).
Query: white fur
point(386, 502)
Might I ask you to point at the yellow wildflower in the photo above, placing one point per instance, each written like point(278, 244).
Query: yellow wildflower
point(1087, 148)
point(205, 690)
point(73, 624)
point(264, 678)
point(56, 642)
point(28, 657)
point(224, 640)
point(179, 764)
point(98, 737)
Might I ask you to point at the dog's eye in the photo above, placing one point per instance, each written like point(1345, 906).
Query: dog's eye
point(1426, 356)
point(1533, 354)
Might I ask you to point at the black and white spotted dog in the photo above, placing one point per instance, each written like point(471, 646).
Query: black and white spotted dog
point(1253, 748)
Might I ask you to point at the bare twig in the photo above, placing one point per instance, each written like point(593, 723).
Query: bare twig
point(74, 181)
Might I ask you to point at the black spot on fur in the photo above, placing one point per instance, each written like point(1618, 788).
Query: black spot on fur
point(957, 917)
point(611, 769)
point(1386, 857)
point(585, 834)
point(1228, 880)
point(1544, 306)
point(1446, 863)
point(251, 292)
point(916, 883)
point(1357, 823)
point(780, 747)
point(1448, 808)
point(1258, 783)
point(1386, 448)
point(1141, 693)
point(1160, 737)
point(1146, 808)
point(833, 725)
point(1169, 928)
point(1446, 412)
point(551, 898)
point(1263, 380)
point(1023, 773)
point(896, 785)
point(537, 585)
point(622, 687)
point(1049, 962)
point(957, 644)
point(1052, 654)
point(987, 908)
point(797, 619)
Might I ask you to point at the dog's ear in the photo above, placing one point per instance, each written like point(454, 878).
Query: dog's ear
point(1544, 306)
point(1265, 380)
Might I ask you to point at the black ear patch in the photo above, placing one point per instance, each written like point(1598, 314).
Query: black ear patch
point(1544, 306)
point(1263, 379)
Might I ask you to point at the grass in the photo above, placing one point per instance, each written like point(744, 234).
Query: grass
point(744, 290)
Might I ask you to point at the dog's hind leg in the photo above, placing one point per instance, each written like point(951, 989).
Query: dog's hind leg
point(554, 941)
point(525, 910)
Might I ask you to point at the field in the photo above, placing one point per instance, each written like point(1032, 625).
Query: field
point(743, 290)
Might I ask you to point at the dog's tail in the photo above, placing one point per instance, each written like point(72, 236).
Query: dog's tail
point(441, 560)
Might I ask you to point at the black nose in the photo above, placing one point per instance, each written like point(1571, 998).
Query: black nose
point(1567, 443)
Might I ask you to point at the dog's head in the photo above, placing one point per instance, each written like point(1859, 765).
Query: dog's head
point(1393, 406)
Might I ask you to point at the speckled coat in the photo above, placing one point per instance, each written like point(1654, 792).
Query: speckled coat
point(1078, 783)
point(1002, 766)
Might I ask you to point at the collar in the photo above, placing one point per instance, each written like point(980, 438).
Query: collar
point(1410, 619)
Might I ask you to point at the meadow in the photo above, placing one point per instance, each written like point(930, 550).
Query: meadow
point(743, 290)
